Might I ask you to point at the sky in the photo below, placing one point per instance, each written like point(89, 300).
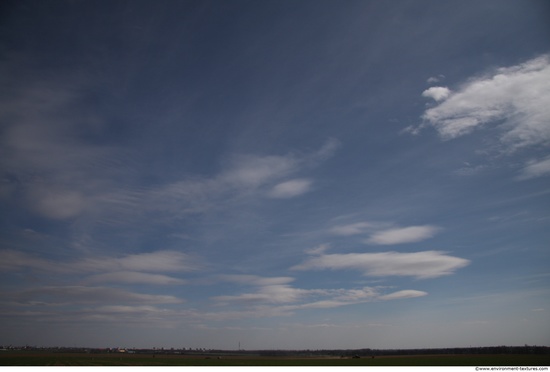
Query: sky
point(275, 174)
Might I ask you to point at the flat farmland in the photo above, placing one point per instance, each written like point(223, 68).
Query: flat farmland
point(112, 359)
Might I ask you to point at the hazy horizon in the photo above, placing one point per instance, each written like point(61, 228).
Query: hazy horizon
point(284, 174)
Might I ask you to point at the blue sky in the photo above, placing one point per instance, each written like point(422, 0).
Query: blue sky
point(283, 174)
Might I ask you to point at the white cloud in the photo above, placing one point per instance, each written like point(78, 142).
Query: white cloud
point(437, 93)
point(243, 175)
point(42, 148)
point(270, 294)
point(320, 249)
point(128, 309)
point(355, 295)
point(83, 294)
point(12, 260)
point(536, 168)
point(421, 265)
point(253, 171)
point(290, 189)
point(41, 119)
point(159, 261)
point(133, 277)
point(322, 304)
point(61, 176)
point(257, 280)
point(407, 293)
point(245, 171)
point(515, 98)
point(59, 204)
point(276, 290)
point(284, 298)
point(382, 235)
point(469, 170)
point(402, 235)
point(124, 312)
point(351, 229)
point(435, 79)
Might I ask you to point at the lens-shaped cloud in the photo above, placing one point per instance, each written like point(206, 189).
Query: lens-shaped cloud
point(420, 265)
point(402, 235)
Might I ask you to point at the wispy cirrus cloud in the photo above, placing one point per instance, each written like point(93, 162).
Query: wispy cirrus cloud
point(158, 261)
point(61, 173)
point(152, 314)
point(85, 295)
point(246, 171)
point(242, 176)
point(420, 265)
point(57, 203)
point(285, 298)
point(535, 168)
point(12, 260)
point(48, 149)
point(130, 268)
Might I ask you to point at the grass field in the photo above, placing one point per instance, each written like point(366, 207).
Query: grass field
point(77, 359)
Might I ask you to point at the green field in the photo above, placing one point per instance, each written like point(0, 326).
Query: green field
point(77, 359)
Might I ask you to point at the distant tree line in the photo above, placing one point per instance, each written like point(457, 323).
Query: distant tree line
point(346, 353)
point(388, 352)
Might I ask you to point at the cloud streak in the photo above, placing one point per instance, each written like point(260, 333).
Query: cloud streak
point(133, 277)
point(243, 176)
point(255, 280)
point(402, 235)
point(380, 234)
point(124, 268)
point(283, 299)
point(62, 295)
point(407, 293)
point(62, 176)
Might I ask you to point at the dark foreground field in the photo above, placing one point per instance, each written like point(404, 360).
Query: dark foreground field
point(78, 359)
